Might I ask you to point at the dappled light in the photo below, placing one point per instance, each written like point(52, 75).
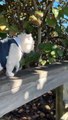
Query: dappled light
point(65, 116)
point(42, 79)
point(3, 24)
point(16, 85)
point(26, 95)
point(2, 27)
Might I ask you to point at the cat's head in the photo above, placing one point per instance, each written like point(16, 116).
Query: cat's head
point(27, 42)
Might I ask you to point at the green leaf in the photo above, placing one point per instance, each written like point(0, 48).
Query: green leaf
point(55, 46)
point(45, 47)
point(51, 60)
point(42, 62)
point(55, 12)
point(28, 27)
point(32, 57)
point(52, 53)
point(2, 20)
point(61, 14)
point(65, 9)
point(3, 35)
point(60, 52)
point(39, 14)
point(65, 42)
point(58, 29)
point(13, 28)
point(51, 22)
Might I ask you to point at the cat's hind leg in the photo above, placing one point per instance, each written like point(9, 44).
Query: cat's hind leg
point(12, 60)
point(1, 68)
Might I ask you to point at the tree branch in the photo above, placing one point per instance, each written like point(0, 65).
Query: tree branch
point(35, 5)
point(39, 28)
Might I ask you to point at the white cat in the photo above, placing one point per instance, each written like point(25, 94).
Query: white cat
point(12, 50)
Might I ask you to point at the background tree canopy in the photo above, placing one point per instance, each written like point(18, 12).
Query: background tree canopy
point(47, 20)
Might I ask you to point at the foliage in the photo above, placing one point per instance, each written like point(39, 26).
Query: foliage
point(30, 59)
point(20, 15)
point(52, 52)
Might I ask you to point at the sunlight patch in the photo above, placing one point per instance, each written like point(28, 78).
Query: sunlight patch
point(42, 80)
point(16, 85)
point(26, 96)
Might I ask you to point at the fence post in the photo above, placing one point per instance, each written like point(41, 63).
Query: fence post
point(59, 102)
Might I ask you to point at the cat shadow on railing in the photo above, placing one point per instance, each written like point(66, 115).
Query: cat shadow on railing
point(23, 79)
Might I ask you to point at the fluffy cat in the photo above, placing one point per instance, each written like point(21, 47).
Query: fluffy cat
point(11, 51)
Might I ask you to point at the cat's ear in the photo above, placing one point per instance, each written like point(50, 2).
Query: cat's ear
point(30, 35)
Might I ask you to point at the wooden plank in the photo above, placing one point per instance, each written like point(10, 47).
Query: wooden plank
point(30, 84)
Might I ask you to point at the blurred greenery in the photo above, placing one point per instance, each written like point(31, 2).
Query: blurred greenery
point(19, 15)
point(3, 35)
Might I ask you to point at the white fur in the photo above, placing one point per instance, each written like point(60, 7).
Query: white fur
point(1, 68)
point(26, 44)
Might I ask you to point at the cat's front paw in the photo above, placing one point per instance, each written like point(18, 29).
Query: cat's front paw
point(9, 74)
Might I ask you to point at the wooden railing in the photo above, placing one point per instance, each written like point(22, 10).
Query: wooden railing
point(30, 84)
